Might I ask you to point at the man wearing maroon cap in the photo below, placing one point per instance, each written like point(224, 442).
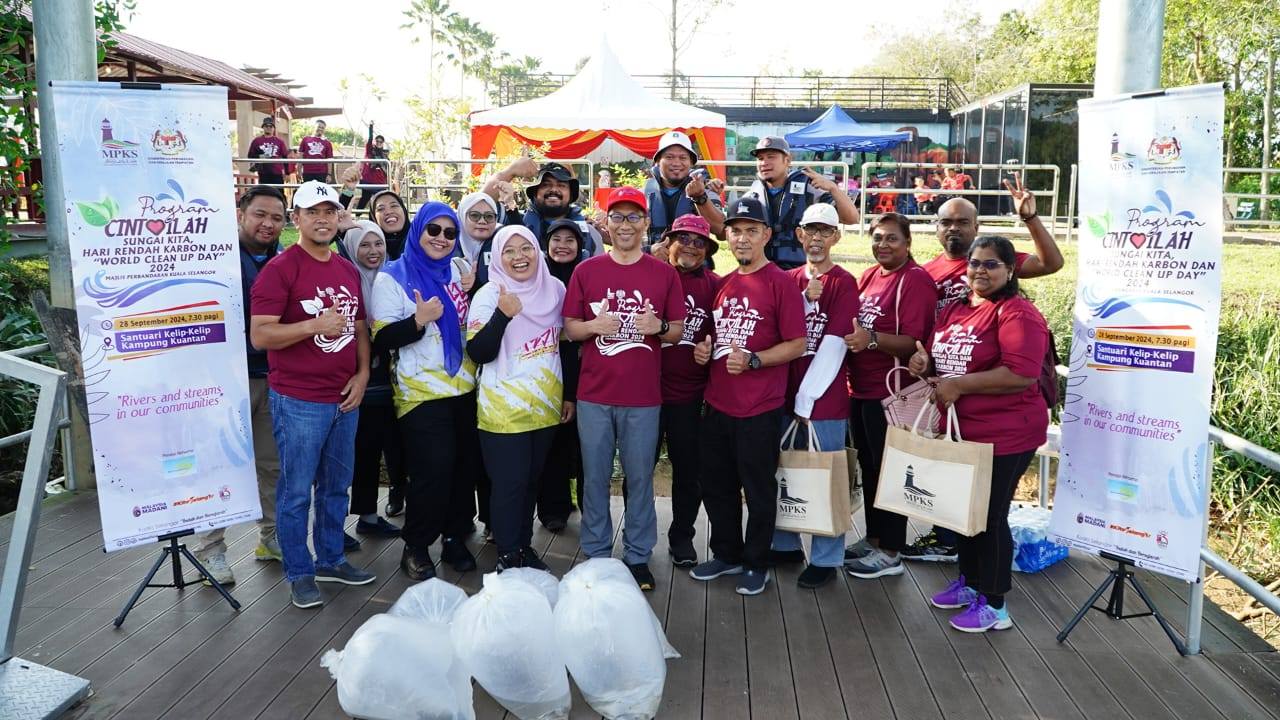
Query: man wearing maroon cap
point(684, 380)
point(622, 306)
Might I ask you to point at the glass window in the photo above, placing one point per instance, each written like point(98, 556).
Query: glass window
point(992, 143)
point(1053, 132)
point(973, 135)
point(955, 152)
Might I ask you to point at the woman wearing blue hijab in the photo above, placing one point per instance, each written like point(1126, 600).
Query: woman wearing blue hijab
point(419, 306)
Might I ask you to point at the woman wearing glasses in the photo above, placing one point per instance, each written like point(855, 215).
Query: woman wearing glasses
point(419, 308)
point(985, 359)
point(479, 215)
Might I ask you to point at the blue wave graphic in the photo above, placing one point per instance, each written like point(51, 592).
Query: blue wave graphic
point(107, 296)
point(1110, 306)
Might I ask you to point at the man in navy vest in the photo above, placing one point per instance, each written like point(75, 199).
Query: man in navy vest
point(675, 188)
point(786, 194)
point(552, 197)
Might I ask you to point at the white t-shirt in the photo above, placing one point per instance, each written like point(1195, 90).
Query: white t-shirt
point(528, 397)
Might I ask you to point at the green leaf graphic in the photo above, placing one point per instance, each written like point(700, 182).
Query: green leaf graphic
point(96, 214)
point(1096, 226)
point(112, 208)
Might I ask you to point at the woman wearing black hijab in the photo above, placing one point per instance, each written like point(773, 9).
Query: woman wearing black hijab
point(563, 246)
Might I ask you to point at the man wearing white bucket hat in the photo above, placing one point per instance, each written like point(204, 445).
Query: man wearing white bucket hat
point(677, 187)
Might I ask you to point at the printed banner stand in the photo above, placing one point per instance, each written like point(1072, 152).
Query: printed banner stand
point(150, 214)
point(1133, 484)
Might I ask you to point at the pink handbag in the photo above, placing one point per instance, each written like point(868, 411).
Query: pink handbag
point(906, 404)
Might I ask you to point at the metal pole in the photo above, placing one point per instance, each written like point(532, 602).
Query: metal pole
point(65, 50)
point(1130, 38)
point(1195, 603)
point(1071, 203)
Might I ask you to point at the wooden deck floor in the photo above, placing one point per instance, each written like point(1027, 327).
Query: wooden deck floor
point(854, 649)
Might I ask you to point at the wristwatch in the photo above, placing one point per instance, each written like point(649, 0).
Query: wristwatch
point(699, 200)
point(664, 327)
point(875, 340)
point(754, 362)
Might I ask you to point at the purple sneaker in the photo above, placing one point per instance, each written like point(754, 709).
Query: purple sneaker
point(980, 617)
point(956, 595)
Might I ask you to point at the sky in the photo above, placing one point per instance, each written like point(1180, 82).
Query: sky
point(319, 42)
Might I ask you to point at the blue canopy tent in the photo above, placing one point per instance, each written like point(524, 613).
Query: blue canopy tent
point(834, 130)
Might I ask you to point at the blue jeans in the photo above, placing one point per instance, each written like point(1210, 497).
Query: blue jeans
point(632, 432)
point(317, 451)
point(824, 551)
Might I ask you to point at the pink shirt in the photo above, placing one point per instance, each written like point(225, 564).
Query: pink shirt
point(683, 380)
point(832, 314)
point(754, 312)
point(623, 369)
point(1009, 332)
point(295, 287)
point(879, 310)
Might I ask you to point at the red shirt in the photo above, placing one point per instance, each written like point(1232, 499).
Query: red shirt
point(269, 146)
point(297, 287)
point(315, 147)
point(951, 278)
point(956, 182)
point(832, 314)
point(1009, 332)
point(754, 312)
point(879, 310)
point(623, 369)
point(683, 380)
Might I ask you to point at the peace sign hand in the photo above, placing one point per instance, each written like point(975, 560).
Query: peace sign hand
point(1024, 203)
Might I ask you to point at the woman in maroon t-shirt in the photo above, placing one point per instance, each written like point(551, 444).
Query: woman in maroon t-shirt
point(896, 303)
point(986, 354)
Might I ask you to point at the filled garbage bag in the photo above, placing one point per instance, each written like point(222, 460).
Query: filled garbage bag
point(433, 600)
point(541, 579)
point(611, 641)
point(396, 668)
point(504, 637)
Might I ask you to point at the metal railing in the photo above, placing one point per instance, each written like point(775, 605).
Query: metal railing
point(241, 166)
point(739, 188)
point(1246, 210)
point(64, 426)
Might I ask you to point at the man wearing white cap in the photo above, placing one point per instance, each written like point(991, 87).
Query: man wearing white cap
point(307, 313)
point(675, 188)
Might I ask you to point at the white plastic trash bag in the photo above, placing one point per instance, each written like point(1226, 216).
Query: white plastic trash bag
point(504, 636)
point(611, 641)
point(433, 600)
point(396, 668)
point(546, 583)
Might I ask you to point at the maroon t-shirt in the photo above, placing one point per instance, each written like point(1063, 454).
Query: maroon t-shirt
point(879, 310)
point(623, 369)
point(684, 380)
point(950, 275)
point(315, 147)
point(832, 314)
point(266, 147)
point(297, 287)
point(1009, 332)
point(754, 312)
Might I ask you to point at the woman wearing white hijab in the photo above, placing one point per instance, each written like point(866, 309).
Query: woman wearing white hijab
point(480, 217)
point(513, 330)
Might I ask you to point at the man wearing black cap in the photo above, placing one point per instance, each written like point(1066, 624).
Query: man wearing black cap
point(785, 194)
point(267, 145)
point(759, 328)
point(552, 198)
point(675, 188)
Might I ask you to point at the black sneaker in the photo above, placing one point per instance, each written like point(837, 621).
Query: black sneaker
point(644, 578)
point(455, 553)
point(815, 577)
point(379, 527)
point(349, 544)
point(510, 560)
point(395, 502)
point(529, 558)
point(786, 557)
point(555, 524)
point(682, 553)
point(418, 565)
point(926, 548)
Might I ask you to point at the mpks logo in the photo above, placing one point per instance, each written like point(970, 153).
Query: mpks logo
point(916, 495)
point(117, 151)
point(790, 505)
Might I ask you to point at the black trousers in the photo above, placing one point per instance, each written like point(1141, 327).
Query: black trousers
point(986, 559)
point(869, 427)
point(320, 176)
point(266, 177)
point(377, 437)
point(564, 464)
point(514, 462)
point(679, 425)
point(443, 456)
point(740, 457)
point(367, 193)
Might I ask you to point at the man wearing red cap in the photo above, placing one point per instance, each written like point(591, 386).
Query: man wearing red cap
point(684, 380)
point(621, 306)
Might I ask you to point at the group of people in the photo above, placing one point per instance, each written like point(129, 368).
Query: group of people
point(280, 165)
point(496, 359)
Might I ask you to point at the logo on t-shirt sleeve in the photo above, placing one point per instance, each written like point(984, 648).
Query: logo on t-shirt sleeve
point(347, 304)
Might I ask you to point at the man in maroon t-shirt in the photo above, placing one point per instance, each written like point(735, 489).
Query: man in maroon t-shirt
point(683, 380)
point(316, 146)
point(622, 306)
point(759, 329)
point(307, 313)
point(268, 145)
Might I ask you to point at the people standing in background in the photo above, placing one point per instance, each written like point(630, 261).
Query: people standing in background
point(373, 175)
point(308, 314)
point(349, 192)
point(315, 146)
point(269, 146)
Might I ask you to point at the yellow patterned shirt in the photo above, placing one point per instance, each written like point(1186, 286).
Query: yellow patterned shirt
point(528, 396)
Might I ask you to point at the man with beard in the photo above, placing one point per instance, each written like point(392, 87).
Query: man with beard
point(683, 380)
point(675, 188)
point(552, 198)
point(957, 226)
point(785, 196)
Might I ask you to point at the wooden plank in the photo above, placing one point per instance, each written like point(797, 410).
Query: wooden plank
point(1219, 688)
point(1125, 685)
point(725, 676)
point(686, 626)
point(900, 670)
point(769, 672)
point(1089, 693)
point(1048, 700)
point(1237, 632)
point(861, 685)
point(1253, 678)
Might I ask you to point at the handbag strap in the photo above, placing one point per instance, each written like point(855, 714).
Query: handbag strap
point(953, 424)
point(789, 437)
point(897, 330)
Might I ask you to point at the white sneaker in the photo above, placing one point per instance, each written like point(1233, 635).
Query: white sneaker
point(217, 566)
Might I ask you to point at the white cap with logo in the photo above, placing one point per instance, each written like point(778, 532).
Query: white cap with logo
point(820, 214)
point(313, 192)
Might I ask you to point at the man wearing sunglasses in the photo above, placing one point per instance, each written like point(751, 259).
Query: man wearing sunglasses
point(622, 306)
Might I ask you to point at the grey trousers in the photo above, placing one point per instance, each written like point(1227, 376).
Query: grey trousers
point(632, 433)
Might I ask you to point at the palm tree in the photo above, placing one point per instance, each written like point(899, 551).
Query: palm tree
point(436, 15)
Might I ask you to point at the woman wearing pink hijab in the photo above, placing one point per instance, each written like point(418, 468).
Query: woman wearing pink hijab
point(513, 331)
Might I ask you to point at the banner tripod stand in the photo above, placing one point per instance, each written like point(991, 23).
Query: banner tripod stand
point(175, 551)
point(1116, 579)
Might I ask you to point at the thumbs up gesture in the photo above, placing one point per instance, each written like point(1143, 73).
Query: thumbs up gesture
point(508, 303)
point(814, 290)
point(330, 322)
point(426, 311)
point(859, 339)
point(702, 351)
point(605, 323)
point(918, 365)
point(738, 361)
point(647, 322)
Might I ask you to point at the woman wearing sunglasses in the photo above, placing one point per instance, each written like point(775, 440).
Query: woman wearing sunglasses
point(480, 221)
point(985, 359)
point(419, 308)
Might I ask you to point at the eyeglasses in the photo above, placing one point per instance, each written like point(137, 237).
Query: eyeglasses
point(632, 218)
point(434, 230)
point(479, 217)
point(990, 264)
point(825, 232)
point(689, 240)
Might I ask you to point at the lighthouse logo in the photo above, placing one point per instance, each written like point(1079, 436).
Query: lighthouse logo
point(116, 151)
point(789, 504)
point(914, 495)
